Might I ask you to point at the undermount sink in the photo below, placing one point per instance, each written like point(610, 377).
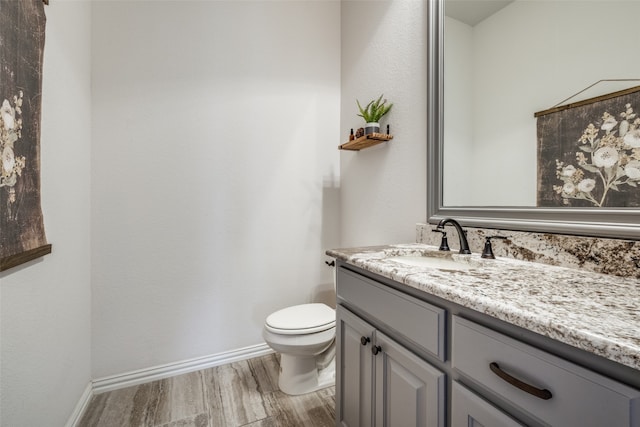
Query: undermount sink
point(441, 263)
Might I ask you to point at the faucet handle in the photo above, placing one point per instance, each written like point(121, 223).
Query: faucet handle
point(444, 243)
point(487, 252)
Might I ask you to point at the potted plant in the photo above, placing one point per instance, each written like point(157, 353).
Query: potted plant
point(372, 114)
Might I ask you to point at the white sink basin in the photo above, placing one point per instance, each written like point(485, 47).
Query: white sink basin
point(431, 262)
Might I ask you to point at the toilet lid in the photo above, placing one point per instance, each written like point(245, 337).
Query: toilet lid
point(302, 319)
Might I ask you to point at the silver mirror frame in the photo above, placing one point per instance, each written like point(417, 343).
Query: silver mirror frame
point(614, 223)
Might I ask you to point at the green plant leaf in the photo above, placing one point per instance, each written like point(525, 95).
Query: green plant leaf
point(385, 110)
point(377, 102)
point(374, 110)
point(363, 112)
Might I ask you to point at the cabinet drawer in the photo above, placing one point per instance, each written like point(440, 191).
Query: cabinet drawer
point(416, 320)
point(578, 397)
point(469, 409)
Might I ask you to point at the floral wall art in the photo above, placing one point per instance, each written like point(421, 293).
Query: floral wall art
point(22, 32)
point(589, 152)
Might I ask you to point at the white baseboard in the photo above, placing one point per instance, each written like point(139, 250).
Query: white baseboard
point(142, 376)
point(81, 406)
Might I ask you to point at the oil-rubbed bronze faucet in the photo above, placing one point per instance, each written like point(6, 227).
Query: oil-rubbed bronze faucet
point(444, 243)
point(487, 252)
point(464, 245)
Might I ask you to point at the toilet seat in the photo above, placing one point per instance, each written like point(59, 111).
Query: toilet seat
point(301, 319)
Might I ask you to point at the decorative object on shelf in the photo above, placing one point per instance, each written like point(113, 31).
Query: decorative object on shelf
point(589, 152)
point(372, 113)
point(365, 141)
point(22, 32)
point(360, 133)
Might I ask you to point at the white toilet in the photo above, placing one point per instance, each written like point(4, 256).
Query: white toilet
point(304, 335)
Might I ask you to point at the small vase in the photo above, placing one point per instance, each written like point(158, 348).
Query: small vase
point(370, 128)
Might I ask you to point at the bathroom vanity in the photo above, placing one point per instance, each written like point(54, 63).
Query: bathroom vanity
point(427, 338)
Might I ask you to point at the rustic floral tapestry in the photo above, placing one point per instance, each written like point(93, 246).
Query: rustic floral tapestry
point(589, 153)
point(22, 32)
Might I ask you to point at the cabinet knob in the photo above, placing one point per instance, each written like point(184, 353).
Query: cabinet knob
point(376, 349)
point(365, 340)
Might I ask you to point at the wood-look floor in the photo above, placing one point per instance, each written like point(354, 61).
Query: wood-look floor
point(239, 394)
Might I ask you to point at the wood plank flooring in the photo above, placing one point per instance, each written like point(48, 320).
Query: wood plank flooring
point(243, 393)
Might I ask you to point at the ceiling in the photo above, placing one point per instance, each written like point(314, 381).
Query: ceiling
point(472, 12)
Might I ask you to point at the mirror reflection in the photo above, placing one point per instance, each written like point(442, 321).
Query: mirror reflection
point(505, 61)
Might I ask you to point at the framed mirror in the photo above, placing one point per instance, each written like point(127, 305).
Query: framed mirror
point(492, 64)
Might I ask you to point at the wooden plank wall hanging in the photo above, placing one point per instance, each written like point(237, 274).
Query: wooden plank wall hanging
point(589, 152)
point(22, 34)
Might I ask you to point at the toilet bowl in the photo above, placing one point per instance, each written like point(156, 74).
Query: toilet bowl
point(304, 335)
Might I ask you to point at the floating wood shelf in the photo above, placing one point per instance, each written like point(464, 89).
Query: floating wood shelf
point(366, 141)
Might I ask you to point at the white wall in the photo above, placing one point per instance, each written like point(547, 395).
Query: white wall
point(214, 172)
point(458, 123)
point(45, 306)
point(213, 184)
point(528, 57)
point(383, 189)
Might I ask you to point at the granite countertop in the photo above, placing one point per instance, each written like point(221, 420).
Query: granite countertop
point(595, 312)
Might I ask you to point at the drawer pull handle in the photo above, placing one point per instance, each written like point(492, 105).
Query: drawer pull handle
point(543, 394)
point(376, 349)
point(365, 340)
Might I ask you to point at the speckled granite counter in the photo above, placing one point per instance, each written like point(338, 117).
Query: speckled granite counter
point(595, 312)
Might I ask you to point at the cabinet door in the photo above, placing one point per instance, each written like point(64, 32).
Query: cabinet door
point(409, 391)
point(354, 373)
point(470, 410)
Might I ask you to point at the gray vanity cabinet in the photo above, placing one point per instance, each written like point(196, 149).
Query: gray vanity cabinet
point(408, 390)
point(354, 373)
point(394, 368)
point(551, 389)
point(380, 382)
point(470, 410)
